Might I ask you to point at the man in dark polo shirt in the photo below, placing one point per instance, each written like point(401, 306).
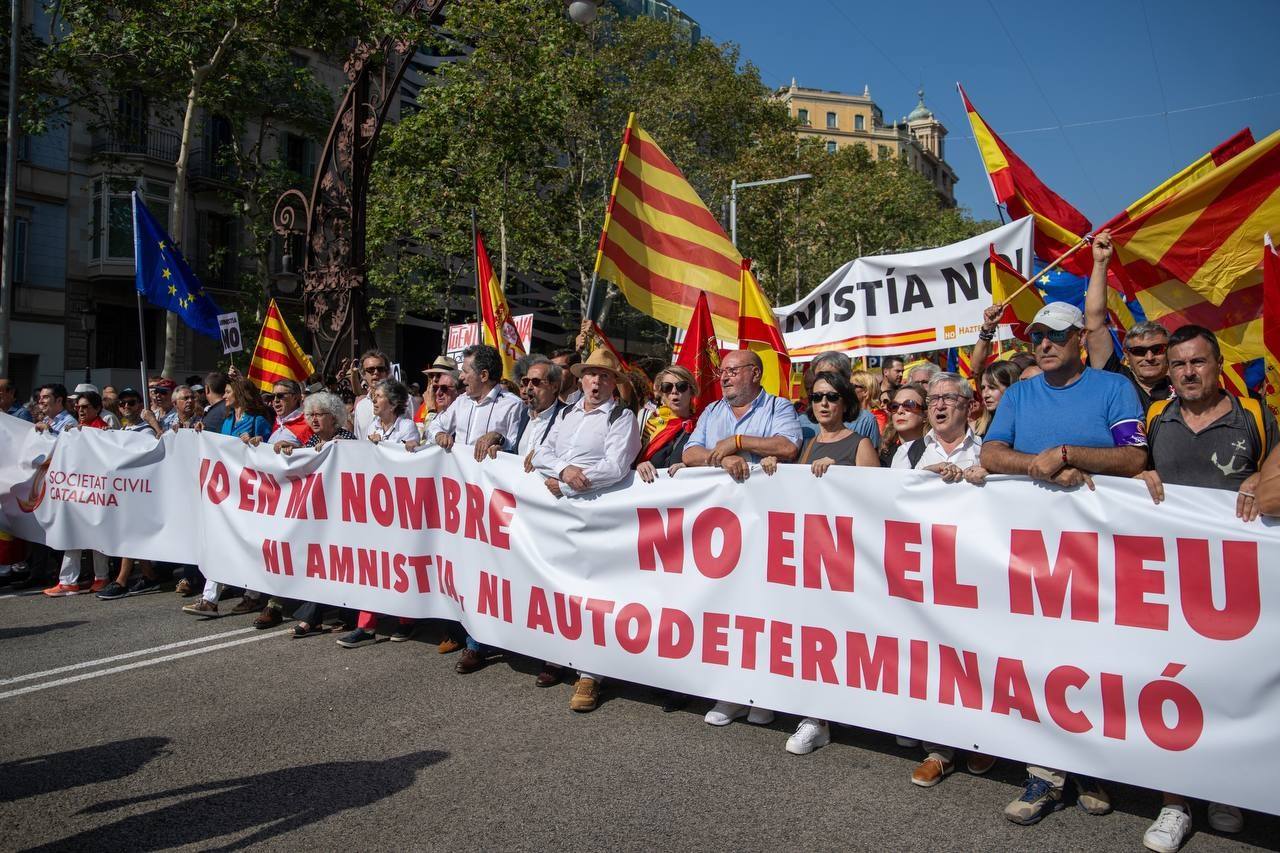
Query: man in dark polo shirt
point(1146, 346)
point(1204, 437)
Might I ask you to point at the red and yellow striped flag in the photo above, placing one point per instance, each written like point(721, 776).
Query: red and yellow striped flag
point(1207, 234)
point(495, 317)
point(758, 331)
point(661, 245)
point(277, 355)
point(1058, 225)
point(1271, 324)
point(1005, 283)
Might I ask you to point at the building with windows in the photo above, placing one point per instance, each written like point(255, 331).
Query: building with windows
point(840, 119)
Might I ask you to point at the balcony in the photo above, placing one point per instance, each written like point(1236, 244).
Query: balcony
point(207, 167)
point(153, 143)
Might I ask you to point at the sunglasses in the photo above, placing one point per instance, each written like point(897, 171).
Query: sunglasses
point(907, 406)
point(678, 387)
point(1154, 349)
point(446, 389)
point(130, 401)
point(534, 381)
point(281, 395)
point(378, 369)
point(819, 396)
point(1056, 336)
point(84, 406)
point(158, 390)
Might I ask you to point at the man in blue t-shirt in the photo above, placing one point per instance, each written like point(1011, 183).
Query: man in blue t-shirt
point(1061, 427)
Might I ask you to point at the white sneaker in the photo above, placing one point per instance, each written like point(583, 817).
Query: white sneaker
point(909, 743)
point(724, 713)
point(1225, 818)
point(811, 734)
point(760, 716)
point(1169, 830)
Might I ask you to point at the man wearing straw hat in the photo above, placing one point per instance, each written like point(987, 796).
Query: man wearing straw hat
point(590, 447)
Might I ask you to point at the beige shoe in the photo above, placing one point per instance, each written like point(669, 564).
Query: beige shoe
point(201, 608)
point(586, 695)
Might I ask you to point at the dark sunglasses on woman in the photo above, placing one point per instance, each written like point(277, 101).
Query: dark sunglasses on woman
point(818, 396)
point(668, 387)
point(908, 405)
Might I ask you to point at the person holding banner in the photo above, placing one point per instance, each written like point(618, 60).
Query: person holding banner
point(861, 420)
point(745, 425)
point(88, 404)
point(907, 423)
point(390, 423)
point(54, 417)
point(1062, 427)
point(591, 447)
point(667, 431)
point(291, 426)
point(832, 400)
point(487, 416)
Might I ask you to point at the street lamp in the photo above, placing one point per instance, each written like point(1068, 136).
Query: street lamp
point(88, 325)
point(734, 186)
point(583, 11)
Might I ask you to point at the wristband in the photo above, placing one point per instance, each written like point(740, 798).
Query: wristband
point(1065, 463)
point(985, 335)
point(737, 441)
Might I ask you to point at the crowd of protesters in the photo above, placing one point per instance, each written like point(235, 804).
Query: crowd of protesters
point(1064, 412)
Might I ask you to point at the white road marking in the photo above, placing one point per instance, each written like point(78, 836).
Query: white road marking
point(137, 664)
point(100, 661)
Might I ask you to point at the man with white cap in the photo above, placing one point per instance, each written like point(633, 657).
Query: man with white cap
point(1063, 426)
point(590, 447)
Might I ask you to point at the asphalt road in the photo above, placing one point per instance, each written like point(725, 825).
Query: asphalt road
point(129, 725)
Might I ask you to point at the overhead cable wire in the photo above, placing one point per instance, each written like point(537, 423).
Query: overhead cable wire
point(1164, 103)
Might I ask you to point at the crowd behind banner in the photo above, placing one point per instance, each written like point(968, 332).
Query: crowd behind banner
point(1063, 412)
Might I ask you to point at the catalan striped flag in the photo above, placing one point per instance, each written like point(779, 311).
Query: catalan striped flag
point(1271, 324)
point(277, 355)
point(1059, 226)
point(495, 317)
point(758, 331)
point(1206, 235)
point(661, 246)
point(1019, 309)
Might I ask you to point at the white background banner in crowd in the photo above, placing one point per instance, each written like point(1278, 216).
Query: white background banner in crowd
point(909, 302)
point(463, 335)
point(1089, 631)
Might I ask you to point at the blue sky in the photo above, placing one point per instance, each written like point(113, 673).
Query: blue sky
point(1116, 63)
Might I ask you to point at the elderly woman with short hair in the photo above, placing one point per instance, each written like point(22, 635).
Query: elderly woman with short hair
point(390, 423)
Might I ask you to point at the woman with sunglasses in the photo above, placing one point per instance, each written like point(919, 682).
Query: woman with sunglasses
point(832, 403)
point(667, 432)
point(907, 420)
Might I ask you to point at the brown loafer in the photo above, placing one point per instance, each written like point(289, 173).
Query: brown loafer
point(979, 763)
point(449, 644)
point(268, 618)
point(470, 661)
point(930, 772)
point(549, 677)
point(586, 695)
point(248, 605)
point(185, 589)
point(201, 608)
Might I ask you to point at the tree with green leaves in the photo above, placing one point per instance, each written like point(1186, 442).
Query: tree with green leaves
point(230, 57)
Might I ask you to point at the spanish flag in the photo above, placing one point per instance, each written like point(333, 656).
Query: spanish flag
point(495, 318)
point(1271, 324)
point(1058, 226)
point(277, 355)
point(1206, 235)
point(758, 331)
point(661, 246)
point(1005, 283)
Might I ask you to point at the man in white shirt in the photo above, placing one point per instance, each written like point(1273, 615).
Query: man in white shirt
point(374, 367)
point(540, 387)
point(484, 416)
point(590, 447)
point(952, 451)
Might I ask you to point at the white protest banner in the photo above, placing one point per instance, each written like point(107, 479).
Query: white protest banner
point(909, 302)
point(464, 335)
point(1090, 630)
point(229, 329)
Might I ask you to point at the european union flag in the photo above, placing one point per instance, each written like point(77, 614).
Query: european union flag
point(164, 278)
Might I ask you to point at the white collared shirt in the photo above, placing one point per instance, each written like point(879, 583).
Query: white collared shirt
point(604, 450)
point(535, 429)
point(966, 454)
point(363, 415)
point(401, 430)
point(467, 419)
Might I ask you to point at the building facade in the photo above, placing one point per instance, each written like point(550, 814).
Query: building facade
point(840, 119)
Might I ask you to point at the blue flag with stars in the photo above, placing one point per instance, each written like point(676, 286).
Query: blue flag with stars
point(164, 278)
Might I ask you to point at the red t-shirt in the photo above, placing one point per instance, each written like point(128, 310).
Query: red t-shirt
point(96, 423)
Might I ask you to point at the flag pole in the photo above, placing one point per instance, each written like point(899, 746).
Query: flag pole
point(142, 329)
point(608, 214)
point(1084, 241)
point(475, 265)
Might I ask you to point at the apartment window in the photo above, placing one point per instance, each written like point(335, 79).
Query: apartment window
point(21, 234)
point(882, 151)
point(131, 118)
point(216, 249)
point(300, 156)
point(859, 122)
point(831, 121)
point(803, 117)
point(111, 221)
point(831, 148)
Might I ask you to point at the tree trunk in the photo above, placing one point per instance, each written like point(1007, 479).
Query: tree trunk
point(178, 210)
